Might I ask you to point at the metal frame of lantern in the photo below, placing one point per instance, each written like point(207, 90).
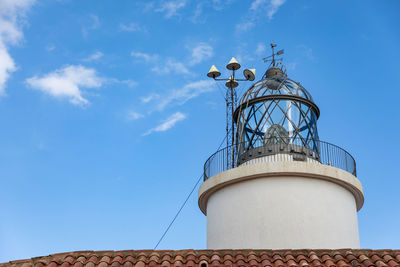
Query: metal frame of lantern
point(275, 111)
point(276, 120)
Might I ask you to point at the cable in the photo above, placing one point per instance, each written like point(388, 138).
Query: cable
point(179, 211)
point(183, 205)
point(220, 89)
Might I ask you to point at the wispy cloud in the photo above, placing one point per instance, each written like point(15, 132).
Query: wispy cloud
point(244, 26)
point(260, 49)
point(50, 47)
point(198, 16)
point(132, 115)
point(11, 14)
point(171, 66)
point(162, 66)
point(291, 65)
point(307, 52)
point(273, 7)
point(93, 57)
point(201, 52)
point(144, 56)
point(92, 24)
point(257, 10)
point(68, 82)
point(132, 27)
point(187, 92)
point(128, 82)
point(170, 8)
point(149, 98)
point(168, 123)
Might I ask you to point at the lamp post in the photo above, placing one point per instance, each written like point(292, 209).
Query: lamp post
point(231, 102)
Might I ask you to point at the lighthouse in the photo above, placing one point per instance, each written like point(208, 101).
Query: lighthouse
point(277, 185)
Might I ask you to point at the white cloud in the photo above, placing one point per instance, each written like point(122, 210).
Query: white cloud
point(245, 26)
point(171, 66)
point(168, 123)
point(170, 8)
point(307, 52)
point(256, 4)
point(198, 16)
point(187, 92)
point(149, 98)
point(132, 27)
point(67, 82)
point(168, 66)
point(259, 8)
point(273, 7)
point(201, 52)
point(144, 56)
point(129, 83)
point(260, 49)
point(291, 65)
point(132, 115)
point(95, 56)
point(50, 47)
point(11, 14)
point(92, 24)
point(7, 66)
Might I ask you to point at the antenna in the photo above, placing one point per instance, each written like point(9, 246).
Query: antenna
point(231, 102)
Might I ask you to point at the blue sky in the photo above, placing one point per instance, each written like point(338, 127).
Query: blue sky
point(107, 116)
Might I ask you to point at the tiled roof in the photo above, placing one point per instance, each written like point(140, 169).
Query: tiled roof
point(216, 258)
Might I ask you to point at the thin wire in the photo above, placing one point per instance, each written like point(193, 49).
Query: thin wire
point(179, 211)
point(220, 89)
point(183, 205)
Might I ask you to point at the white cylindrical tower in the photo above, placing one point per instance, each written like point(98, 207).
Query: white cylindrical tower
point(282, 205)
point(279, 186)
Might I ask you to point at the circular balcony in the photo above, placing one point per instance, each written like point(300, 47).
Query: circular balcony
point(285, 150)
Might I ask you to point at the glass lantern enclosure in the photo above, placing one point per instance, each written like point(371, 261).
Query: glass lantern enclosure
point(274, 115)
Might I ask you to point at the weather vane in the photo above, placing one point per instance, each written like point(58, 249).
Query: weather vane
point(272, 58)
point(276, 68)
point(231, 100)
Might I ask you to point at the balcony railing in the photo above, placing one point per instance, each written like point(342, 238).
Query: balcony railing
point(294, 150)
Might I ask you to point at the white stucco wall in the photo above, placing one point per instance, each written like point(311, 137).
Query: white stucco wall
point(282, 210)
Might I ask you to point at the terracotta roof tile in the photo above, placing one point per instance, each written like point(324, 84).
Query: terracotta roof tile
point(190, 257)
point(393, 263)
point(190, 263)
point(380, 264)
point(228, 263)
point(216, 258)
point(266, 263)
point(117, 258)
point(127, 264)
point(140, 264)
point(303, 263)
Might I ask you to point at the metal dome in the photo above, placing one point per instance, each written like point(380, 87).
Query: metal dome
point(274, 86)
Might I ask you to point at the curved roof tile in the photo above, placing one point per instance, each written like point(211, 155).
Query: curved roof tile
point(214, 258)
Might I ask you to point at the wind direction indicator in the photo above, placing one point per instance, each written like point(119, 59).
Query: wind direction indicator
point(272, 58)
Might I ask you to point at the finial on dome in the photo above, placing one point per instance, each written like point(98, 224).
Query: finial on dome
point(276, 69)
